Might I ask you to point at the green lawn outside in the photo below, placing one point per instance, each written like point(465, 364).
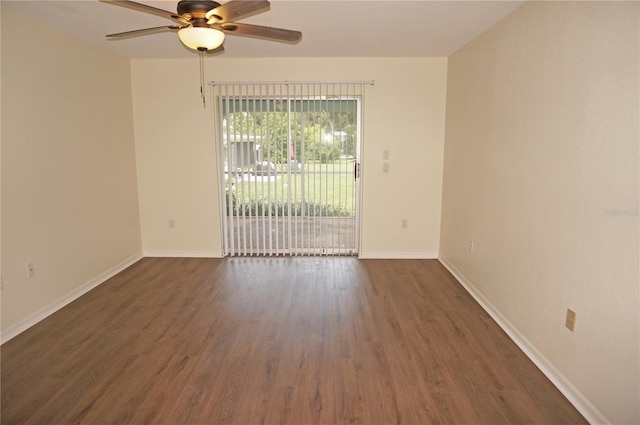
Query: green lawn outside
point(324, 185)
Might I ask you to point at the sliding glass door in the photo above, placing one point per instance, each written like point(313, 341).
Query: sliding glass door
point(290, 157)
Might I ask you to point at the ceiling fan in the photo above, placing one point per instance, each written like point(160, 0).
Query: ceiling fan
point(203, 24)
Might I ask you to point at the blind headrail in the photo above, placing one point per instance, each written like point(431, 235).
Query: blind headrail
point(260, 83)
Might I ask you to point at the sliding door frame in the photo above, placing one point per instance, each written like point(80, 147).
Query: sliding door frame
point(290, 98)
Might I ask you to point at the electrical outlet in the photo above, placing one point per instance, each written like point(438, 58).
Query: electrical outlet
point(385, 167)
point(570, 322)
point(172, 223)
point(385, 155)
point(31, 270)
point(404, 223)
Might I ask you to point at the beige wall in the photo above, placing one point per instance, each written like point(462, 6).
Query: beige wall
point(69, 193)
point(541, 172)
point(177, 170)
point(1, 281)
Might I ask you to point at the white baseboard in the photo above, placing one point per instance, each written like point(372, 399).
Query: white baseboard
point(182, 254)
point(398, 255)
point(575, 397)
point(51, 308)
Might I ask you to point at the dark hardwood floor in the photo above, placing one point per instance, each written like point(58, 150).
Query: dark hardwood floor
point(275, 341)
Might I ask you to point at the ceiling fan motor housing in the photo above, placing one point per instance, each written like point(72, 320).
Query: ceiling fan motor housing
point(196, 8)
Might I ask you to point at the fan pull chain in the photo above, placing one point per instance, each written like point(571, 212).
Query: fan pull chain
point(201, 54)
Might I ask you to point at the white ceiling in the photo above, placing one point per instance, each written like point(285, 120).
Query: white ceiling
point(330, 28)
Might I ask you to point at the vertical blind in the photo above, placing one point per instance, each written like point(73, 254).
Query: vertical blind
point(289, 155)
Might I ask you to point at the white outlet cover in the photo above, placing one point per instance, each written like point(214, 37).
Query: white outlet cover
point(31, 269)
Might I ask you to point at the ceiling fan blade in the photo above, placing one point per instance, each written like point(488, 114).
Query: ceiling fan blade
point(236, 9)
point(148, 9)
point(144, 31)
point(271, 33)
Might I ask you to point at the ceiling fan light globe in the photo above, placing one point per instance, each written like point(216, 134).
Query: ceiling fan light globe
point(198, 38)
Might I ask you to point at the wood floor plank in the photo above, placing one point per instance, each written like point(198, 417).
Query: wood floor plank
point(160, 397)
point(454, 408)
point(302, 340)
point(285, 407)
